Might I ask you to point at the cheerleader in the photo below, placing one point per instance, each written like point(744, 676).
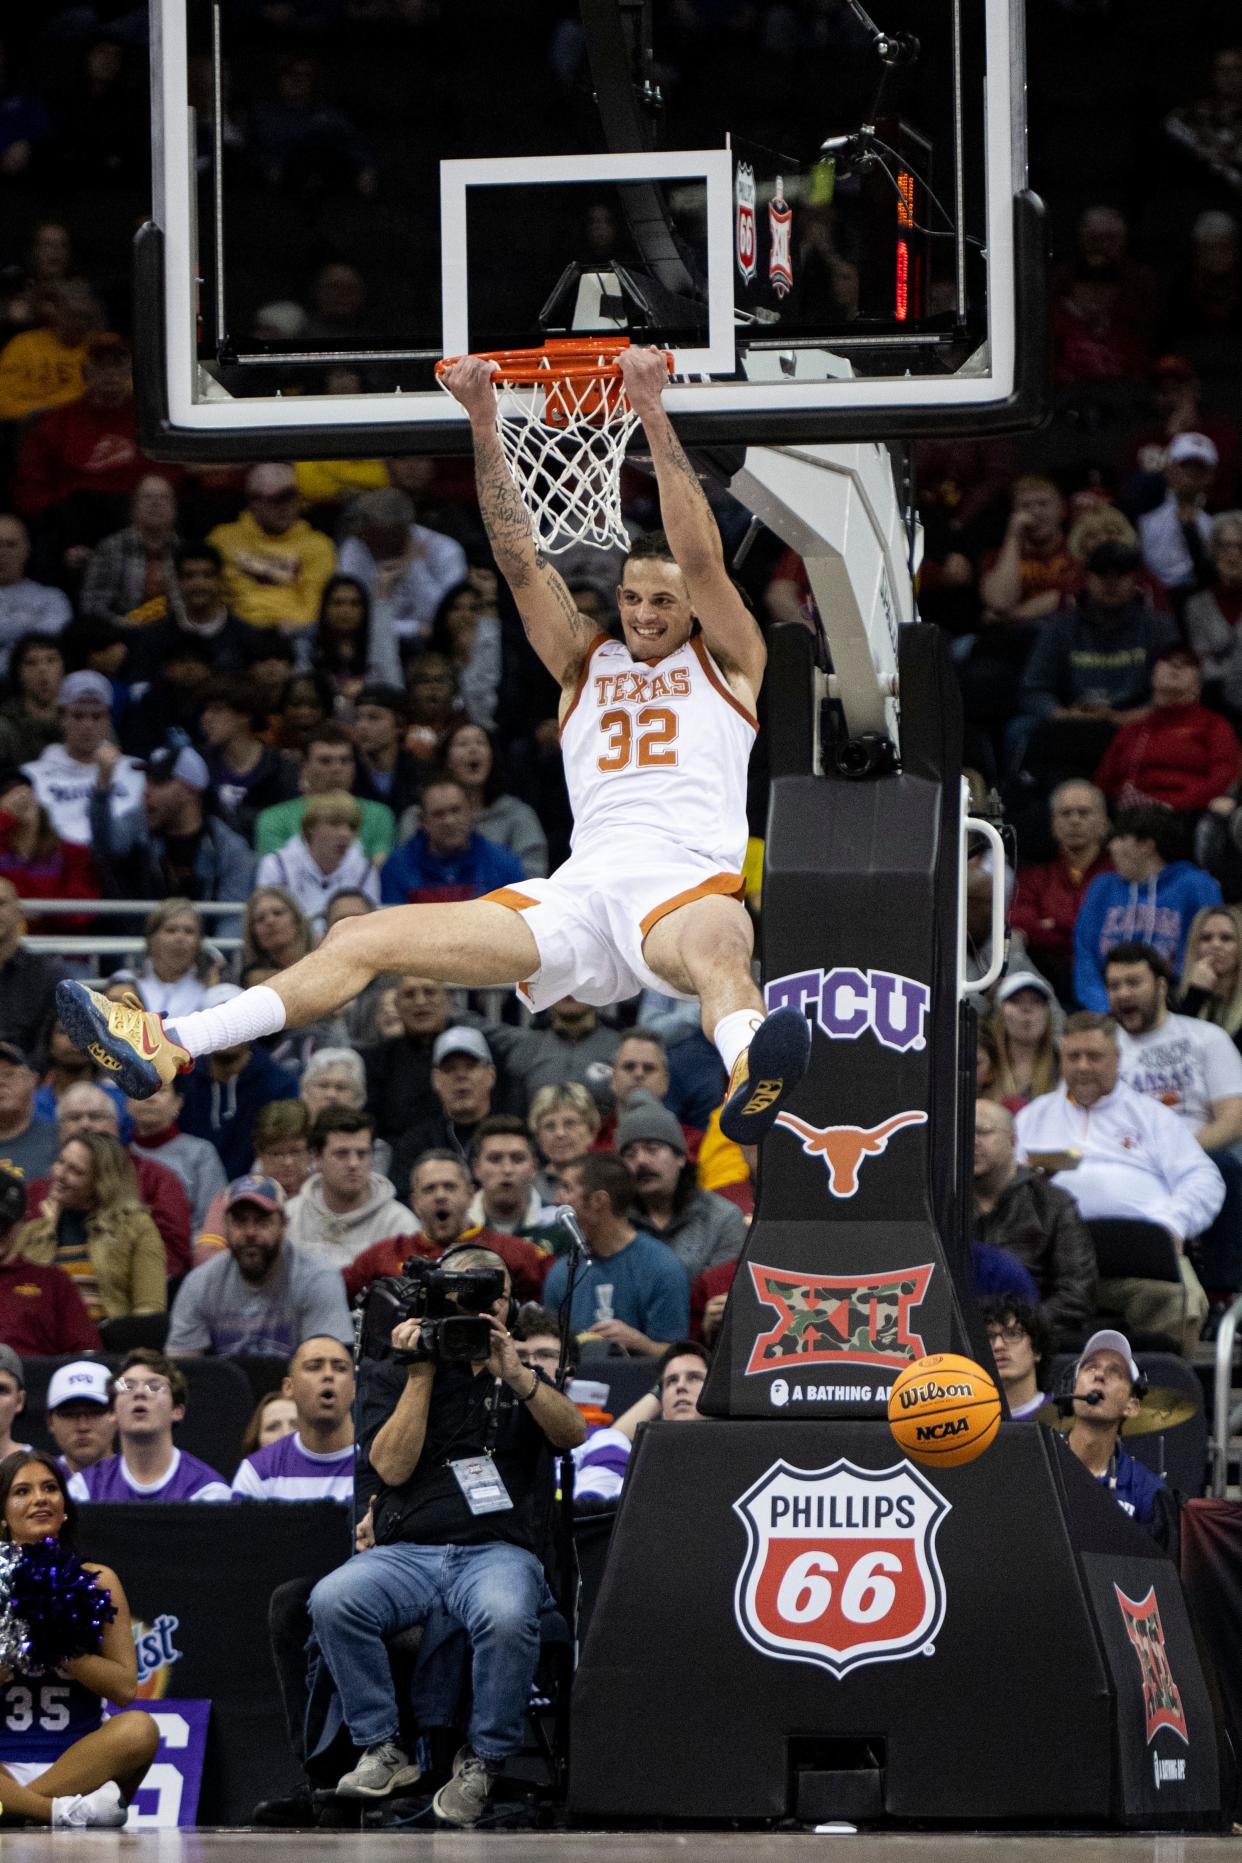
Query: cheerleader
point(61, 1763)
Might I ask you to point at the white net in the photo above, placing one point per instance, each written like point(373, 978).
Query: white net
point(565, 440)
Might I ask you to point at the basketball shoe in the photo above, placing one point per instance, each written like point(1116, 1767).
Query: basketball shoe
point(764, 1074)
point(123, 1038)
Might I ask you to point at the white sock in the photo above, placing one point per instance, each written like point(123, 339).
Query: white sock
point(733, 1033)
point(256, 1012)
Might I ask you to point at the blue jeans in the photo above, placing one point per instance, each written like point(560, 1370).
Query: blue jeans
point(493, 1592)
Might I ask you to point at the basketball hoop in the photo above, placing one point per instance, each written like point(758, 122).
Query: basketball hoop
point(564, 423)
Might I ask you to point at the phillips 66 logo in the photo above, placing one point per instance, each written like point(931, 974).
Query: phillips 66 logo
point(744, 226)
point(841, 1565)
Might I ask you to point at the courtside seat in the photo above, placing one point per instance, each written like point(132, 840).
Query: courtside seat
point(133, 1330)
point(217, 1413)
point(627, 1379)
point(1126, 1247)
point(263, 1373)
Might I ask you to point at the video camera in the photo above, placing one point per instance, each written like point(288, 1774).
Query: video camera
point(452, 1303)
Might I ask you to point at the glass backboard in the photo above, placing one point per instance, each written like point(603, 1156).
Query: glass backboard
point(822, 215)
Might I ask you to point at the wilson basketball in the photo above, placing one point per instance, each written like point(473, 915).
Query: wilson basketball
point(944, 1410)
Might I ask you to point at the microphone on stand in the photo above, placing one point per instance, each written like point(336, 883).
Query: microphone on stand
point(577, 1241)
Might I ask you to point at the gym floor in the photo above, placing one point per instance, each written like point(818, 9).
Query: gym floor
point(603, 1847)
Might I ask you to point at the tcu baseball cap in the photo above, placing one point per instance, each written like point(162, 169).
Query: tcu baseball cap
point(82, 1383)
point(252, 1188)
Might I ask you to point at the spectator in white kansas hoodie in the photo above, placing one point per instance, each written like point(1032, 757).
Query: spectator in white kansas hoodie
point(1120, 1154)
point(325, 857)
point(345, 1205)
point(64, 776)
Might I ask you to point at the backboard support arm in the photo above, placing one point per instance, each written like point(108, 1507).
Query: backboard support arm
point(840, 508)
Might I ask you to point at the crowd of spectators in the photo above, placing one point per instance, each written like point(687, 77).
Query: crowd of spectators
point(300, 692)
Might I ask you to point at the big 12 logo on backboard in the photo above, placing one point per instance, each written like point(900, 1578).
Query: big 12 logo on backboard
point(841, 1565)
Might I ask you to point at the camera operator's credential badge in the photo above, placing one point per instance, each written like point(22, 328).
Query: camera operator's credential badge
point(482, 1484)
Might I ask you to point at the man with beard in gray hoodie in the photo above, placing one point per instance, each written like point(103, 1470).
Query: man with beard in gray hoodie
point(345, 1205)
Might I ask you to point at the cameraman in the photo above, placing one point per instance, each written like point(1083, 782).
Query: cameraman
point(456, 1446)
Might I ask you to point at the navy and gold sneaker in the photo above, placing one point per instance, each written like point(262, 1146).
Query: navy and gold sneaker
point(764, 1074)
point(123, 1038)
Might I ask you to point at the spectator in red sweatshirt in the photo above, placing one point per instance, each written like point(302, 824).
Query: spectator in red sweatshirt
point(79, 464)
point(39, 863)
point(1046, 898)
point(1179, 754)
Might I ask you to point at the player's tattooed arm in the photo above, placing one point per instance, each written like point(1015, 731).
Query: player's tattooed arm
point(505, 518)
point(729, 628)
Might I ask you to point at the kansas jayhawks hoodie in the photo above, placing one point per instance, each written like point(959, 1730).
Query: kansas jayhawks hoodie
point(1156, 912)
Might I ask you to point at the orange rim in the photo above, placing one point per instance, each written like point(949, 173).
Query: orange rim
point(566, 359)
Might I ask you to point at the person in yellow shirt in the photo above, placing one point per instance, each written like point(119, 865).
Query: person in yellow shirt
point(336, 481)
point(275, 564)
point(42, 368)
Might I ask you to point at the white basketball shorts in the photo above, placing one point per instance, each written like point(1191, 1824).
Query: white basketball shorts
point(590, 917)
point(27, 1771)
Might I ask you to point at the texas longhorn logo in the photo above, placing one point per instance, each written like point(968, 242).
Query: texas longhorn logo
point(841, 1565)
point(1162, 1701)
point(843, 1148)
point(827, 1319)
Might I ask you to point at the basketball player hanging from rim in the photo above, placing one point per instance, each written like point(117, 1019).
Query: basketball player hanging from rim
point(656, 732)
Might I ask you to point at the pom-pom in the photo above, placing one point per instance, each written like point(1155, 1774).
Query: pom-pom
point(14, 1638)
point(58, 1604)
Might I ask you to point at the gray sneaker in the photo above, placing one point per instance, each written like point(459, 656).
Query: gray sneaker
point(464, 1799)
point(381, 1770)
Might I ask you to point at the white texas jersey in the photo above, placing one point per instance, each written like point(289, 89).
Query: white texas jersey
point(658, 750)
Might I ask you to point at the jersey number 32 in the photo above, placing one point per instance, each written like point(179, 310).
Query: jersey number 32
point(645, 740)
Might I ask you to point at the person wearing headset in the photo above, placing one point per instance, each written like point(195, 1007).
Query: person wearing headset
point(1107, 1390)
point(456, 1448)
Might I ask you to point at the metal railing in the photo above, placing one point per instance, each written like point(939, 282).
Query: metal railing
point(118, 944)
point(116, 908)
point(1226, 1415)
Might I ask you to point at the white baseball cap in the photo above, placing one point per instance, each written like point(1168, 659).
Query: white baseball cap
point(1108, 1341)
point(1024, 980)
point(86, 687)
point(87, 1382)
point(1196, 446)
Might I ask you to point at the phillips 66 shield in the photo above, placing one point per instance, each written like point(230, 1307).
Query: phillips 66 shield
point(841, 1565)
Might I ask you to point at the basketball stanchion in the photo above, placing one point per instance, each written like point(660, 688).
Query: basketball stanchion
point(854, 1533)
